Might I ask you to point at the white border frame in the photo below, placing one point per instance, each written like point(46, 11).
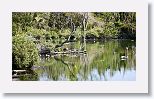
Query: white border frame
point(9, 86)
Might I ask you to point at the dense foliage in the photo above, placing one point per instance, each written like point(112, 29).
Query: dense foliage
point(106, 24)
point(118, 24)
point(24, 54)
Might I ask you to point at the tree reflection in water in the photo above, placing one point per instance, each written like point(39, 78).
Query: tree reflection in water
point(103, 61)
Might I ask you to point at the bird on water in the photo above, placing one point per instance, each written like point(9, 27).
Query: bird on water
point(124, 57)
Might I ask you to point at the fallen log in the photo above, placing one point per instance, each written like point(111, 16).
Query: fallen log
point(17, 76)
point(19, 71)
point(69, 52)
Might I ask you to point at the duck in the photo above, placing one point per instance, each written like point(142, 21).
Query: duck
point(125, 57)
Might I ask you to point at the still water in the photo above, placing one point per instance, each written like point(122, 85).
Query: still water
point(113, 60)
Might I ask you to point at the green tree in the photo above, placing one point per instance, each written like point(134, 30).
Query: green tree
point(25, 53)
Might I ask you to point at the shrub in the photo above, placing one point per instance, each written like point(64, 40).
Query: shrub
point(25, 53)
point(95, 32)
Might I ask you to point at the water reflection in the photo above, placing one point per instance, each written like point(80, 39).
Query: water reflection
point(105, 61)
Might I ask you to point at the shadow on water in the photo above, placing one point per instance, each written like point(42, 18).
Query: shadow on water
point(113, 60)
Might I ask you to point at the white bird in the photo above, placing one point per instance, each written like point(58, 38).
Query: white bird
point(124, 57)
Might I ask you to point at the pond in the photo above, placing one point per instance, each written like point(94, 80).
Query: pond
point(110, 60)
